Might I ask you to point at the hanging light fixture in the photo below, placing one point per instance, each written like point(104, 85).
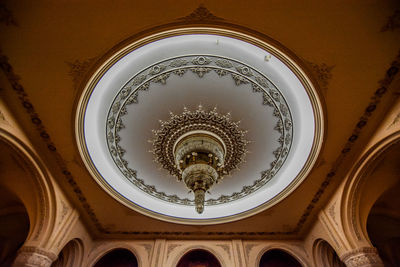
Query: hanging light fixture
point(199, 148)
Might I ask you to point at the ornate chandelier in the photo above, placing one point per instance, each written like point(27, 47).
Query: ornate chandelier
point(199, 148)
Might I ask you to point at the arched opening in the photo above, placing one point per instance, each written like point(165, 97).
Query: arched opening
point(14, 226)
point(23, 176)
point(383, 226)
point(70, 255)
point(376, 173)
point(325, 255)
point(118, 258)
point(198, 258)
point(278, 258)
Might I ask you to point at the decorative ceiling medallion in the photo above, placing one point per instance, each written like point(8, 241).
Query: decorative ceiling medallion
point(147, 86)
point(159, 73)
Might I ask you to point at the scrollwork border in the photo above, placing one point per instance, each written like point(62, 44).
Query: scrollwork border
point(159, 72)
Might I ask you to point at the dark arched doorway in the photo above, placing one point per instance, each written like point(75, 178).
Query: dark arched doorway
point(117, 258)
point(198, 258)
point(278, 258)
point(383, 226)
point(14, 226)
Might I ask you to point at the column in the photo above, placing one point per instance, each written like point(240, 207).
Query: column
point(362, 257)
point(34, 257)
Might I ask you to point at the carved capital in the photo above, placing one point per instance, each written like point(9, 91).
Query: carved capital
point(34, 257)
point(365, 257)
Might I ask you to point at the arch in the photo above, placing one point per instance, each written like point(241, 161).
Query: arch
point(325, 255)
point(14, 226)
point(278, 258)
point(34, 190)
point(355, 209)
point(199, 257)
point(71, 254)
point(198, 247)
point(107, 248)
point(283, 248)
point(118, 257)
point(383, 226)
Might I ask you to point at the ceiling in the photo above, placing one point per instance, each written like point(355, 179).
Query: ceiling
point(279, 112)
point(53, 48)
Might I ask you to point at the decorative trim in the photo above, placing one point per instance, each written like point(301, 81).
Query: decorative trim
point(31, 249)
point(395, 121)
point(157, 255)
point(369, 110)
point(188, 121)
point(332, 213)
point(3, 118)
point(171, 247)
point(63, 211)
point(200, 14)
point(370, 159)
point(128, 47)
point(226, 248)
point(239, 255)
point(393, 22)
point(148, 248)
point(20, 159)
point(20, 91)
point(367, 256)
point(199, 64)
point(78, 69)
point(14, 81)
point(323, 73)
point(248, 248)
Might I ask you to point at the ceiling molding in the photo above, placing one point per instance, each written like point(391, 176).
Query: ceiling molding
point(375, 99)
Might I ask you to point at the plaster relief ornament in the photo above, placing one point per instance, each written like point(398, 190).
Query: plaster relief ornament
point(199, 148)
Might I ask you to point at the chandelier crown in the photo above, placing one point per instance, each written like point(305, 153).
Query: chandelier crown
point(199, 148)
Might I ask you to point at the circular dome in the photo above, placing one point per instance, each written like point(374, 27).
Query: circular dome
point(254, 101)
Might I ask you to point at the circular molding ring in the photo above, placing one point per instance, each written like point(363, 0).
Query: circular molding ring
point(281, 54)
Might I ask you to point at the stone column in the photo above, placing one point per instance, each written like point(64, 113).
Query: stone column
point(34, 257)
point(362, 257)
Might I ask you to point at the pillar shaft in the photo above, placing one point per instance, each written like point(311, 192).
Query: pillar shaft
point(362, 257)
point(34, 257)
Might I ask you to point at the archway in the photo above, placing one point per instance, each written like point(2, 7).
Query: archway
point(278, 258)
point(117, 258)
point(70, 255)
point(14, 226)
point(198, 258)
point(375, 173)
point(24, 175)
point(325, 255)
point(383, 226)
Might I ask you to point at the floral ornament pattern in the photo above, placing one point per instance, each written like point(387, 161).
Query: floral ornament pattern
point(200, 119)
point(201, 65)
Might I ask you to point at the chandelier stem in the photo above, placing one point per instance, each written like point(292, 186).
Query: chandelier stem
point(199, 200)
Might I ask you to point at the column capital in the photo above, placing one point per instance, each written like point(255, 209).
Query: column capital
point(362, 257)
point(34, 257)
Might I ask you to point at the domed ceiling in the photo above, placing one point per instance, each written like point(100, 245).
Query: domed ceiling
point(256, 106)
